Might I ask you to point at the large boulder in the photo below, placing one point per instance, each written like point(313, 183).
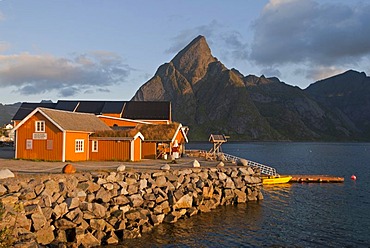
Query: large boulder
point(69, 169)
point(6, 173)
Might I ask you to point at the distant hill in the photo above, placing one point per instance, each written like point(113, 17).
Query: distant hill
point(7, 112)
point(210, 98)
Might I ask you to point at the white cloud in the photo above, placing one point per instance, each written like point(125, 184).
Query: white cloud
point(322, 72)
point(306, 31)
point(35, 74)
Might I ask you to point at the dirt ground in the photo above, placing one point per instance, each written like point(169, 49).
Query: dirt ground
point(36, 167)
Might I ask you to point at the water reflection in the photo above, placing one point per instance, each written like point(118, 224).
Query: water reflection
point(229, 226)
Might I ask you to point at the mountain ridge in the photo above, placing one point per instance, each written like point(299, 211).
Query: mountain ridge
point(210, 98)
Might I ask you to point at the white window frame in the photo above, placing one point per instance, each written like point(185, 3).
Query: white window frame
point(40, 126)
point(79, 145)
point(94, 146)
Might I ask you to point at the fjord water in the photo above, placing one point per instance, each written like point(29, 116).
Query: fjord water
point(291, 215)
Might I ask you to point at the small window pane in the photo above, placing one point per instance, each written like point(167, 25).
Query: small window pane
point(79, 146)
point(40, 126)
point(94, 146)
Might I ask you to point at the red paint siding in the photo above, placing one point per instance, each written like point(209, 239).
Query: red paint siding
point(40, 149)
point(111, 150)
point(149, 150)
point(71, 154)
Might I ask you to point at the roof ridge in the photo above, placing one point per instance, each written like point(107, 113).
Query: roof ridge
point(65, 111)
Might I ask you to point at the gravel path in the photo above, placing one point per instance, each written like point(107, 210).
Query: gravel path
point(38, 167)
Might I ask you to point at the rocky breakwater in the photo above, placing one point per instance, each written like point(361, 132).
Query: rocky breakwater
point(92, 209)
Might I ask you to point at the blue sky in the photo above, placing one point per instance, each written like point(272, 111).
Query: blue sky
point(107, 49)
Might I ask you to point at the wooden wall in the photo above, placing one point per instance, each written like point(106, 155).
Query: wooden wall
point(49, 149)
point(149, 150)
point(71, 154)
point(111, 150)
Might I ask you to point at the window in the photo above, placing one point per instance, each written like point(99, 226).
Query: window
point(29, 144)
point(40, 126)
point(94, 147)
point(79, 145)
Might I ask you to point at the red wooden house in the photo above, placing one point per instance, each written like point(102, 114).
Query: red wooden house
point(56, 135)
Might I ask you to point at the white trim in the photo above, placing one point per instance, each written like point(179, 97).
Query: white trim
point(79, 143)
point(40, 126)
point(177, 131)
point(138, 135)
point(132, 152)
point(16, 145)
point(122, 119)
point(93, 142)
point(64, 146)
point(140, 148)
point(33, 113)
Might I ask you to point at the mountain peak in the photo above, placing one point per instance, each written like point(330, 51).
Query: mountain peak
point(194, 59)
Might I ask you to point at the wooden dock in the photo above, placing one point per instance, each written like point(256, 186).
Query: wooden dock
point(316, 179)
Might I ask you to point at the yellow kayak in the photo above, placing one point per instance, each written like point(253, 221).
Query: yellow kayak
point(275, 180)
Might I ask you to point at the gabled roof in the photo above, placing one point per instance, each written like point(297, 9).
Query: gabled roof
point(27, 107)
point(70, 121)
point(161, 132)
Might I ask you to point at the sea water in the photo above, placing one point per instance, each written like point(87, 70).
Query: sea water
point(291, 215)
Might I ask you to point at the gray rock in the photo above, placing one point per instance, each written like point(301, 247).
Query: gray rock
point(60, 210)
point(184, 202)
point(166, 167)
point(161, 181)
point(221, 164)
point(136, 200)
point(242, 162)
point(98, 210)
point(121, 168)
point(45, 235)
point(241, 196)
point(73, 202)
point(89, 240)
point(6, 173)
point(38, 221)
point(64, 224)
point(195, 163)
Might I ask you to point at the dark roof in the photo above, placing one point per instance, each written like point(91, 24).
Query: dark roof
point(27, 107)
point(94, 107)
point(137, 110)
point(113, 107)
point(66, 105)
point(147, 110)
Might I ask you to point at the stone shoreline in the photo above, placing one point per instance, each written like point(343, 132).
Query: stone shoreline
point(97, 208)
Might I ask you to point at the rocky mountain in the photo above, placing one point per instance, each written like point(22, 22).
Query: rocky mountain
point(348, 95)
point(210, 98)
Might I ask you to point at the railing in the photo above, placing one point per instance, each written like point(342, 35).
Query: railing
point(266, 170)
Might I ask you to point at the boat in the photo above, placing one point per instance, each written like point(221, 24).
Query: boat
point(275, 179)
